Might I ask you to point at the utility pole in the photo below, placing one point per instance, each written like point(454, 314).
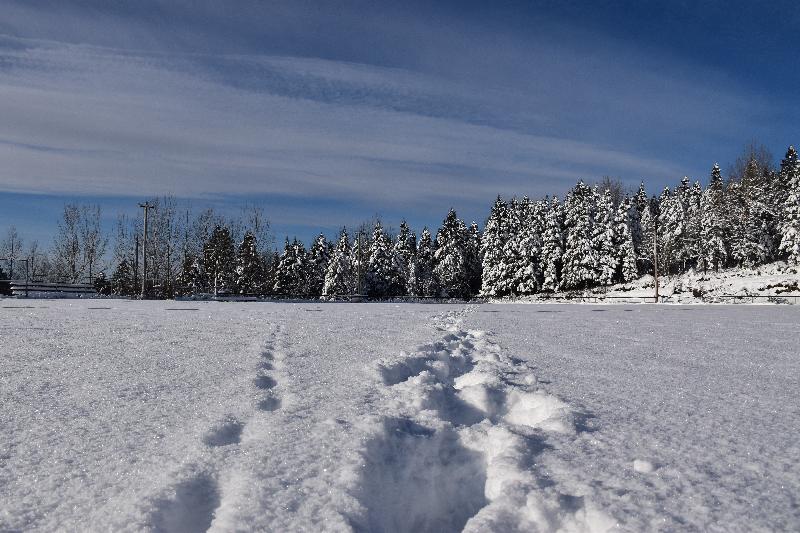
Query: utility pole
point(135, 265)
point(147, 206)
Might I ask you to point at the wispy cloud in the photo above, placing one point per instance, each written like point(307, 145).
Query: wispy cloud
point(459, 122)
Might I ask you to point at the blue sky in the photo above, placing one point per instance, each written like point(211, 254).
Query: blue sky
point(329, 113)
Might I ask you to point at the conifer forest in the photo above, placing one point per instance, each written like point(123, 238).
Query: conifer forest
point(596, 235)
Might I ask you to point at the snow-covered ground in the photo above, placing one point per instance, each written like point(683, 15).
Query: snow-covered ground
point(184, 416)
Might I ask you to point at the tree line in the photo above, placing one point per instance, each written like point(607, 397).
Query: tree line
point(598, 235)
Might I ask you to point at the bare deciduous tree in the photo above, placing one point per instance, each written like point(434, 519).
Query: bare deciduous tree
point(617, 189)
point(11, 251)
point(67, 246)
point(92, 241)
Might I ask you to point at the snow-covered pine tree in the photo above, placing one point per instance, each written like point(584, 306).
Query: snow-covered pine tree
point(283, 281)
point(645, 253)
point(626, 269)
point(339, 275)
point(474, 259)
point(789, 170)
point(579, 264)
point(359, 261)
point(790, 223)
point(751, 242)
point(641, 201)
point(248, 265)
point(423, 273)
point(715, 231)
point(291, 271)
point(122, 279)
point(318, 257)
point(493, 240)
point(510, 262)
point(266, 282)
point(523, 251)
point(219, 260)
point(670, 230)
point(603, 238)
point(450, 258)
point(405, 251)
point(191, 279)
point(553, 247)
point(684, 244)
point(513, 261)
point(300, 269)
point(383, 274)
point(692, 245)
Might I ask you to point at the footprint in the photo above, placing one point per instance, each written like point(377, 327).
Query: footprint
point(265, 382)
point(228, 431)
point(418, 479)
point(192, 509)
point(270, 403)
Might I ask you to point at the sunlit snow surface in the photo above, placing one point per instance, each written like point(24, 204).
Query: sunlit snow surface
point(185, 416)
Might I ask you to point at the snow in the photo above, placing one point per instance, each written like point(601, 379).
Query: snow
point(187, 416)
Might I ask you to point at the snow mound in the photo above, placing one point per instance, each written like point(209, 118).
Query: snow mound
point(467, 422)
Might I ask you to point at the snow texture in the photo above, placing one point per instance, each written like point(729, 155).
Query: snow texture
point(193, 416)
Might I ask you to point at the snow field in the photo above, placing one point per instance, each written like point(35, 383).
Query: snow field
point(193, 416)
point(686, 414)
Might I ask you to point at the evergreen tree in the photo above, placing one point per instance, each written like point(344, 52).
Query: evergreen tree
point(359, 262)
point(603, 239)
point(405, 251)
point(269, 261)
point(714, 224)
point(450, 258)
point(749, 217)
point(522, 252)
point(684, 239)
point(789, 171)
point(626, 269)
point(248, 265)
point(641, 201)
point(122, 282)
point(553, 247)
point(101, 284)
point(423, 272)
point(692, 246)
point(383, 273)
point(790, 226)
point(671, 225)
point(493, 240)
point(474, 259)
point(648, 226)
point(219, 259)
point(190, 280)
point(339, 275)
point(318, 258)
point(291, 271)
point(579, 260)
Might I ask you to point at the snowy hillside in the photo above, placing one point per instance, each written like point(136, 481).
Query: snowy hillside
point(188, 416)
